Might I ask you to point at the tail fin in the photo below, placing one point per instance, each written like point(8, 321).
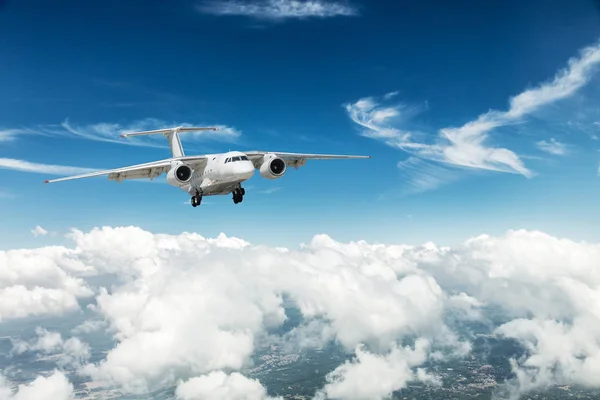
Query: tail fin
point(173, 135)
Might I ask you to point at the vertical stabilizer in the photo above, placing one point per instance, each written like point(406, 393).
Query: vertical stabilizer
point(175, 144)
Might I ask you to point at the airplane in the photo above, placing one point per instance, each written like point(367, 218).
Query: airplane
point(208, 174)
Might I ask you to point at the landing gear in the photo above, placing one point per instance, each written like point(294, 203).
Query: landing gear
point(238, 195)
point(196, 199)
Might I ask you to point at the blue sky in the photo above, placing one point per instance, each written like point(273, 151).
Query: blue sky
point(397, 80)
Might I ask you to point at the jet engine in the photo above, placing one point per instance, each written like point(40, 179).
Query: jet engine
point(272, 167)
point(179, 174)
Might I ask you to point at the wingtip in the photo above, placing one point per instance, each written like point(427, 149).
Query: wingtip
point(46, 181)
point(122, 136)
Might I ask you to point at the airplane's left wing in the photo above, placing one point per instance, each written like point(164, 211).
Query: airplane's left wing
point(147, 170)
point(298, 159)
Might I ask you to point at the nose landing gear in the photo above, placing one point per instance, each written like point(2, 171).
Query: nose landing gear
point(238, 195)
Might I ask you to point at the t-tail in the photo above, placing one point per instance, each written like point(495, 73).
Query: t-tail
point(172, 135)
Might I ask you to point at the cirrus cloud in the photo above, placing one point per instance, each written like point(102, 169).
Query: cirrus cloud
point(278, 9)
point(469, 145)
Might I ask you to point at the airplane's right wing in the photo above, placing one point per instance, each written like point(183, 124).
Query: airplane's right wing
point(147, 170)
point(298, 159)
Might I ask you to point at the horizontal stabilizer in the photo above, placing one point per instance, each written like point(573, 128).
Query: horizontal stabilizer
point(169, 130)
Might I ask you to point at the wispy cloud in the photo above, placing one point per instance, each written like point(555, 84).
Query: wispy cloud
point(7, 135)
point(468, 146)
point(110, 132)
point(26, 166)
point(50, 169)
point(278, 9)
point(421, 176)
point(552, 146)
point(38, 231)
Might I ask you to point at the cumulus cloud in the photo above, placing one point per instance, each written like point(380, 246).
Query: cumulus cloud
point(175, 289)
point(552, 146)
point(40, 282)
point(71, 352)
point(53, 387)
point(278, 9)
point(397, 308)
point(370, 376)
point(88, 326)
point(221, 386)
point(468, 145)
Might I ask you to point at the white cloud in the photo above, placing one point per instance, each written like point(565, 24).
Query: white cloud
point(278, 9)
point(552, 147)
point(370, 376)
point(237, 288)
point(420, 175)
point(26, 166)
point(71, 352)
point(221, 386)
point(40, 282)
point(110, 132)
point(369, 298)
point(39, 231)
point(389, 95)
point(467, 146)
point(7, 135)
point(53, 387)
point(88, 326)
point(17, 301)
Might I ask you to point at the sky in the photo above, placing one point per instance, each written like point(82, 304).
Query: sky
point(480, 117)
point(483, 127)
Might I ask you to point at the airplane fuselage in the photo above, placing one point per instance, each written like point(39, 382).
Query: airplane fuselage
point(221, 173)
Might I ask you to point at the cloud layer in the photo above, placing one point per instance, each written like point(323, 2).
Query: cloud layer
point(370, 299)
point(278, 9)
point(469, 145)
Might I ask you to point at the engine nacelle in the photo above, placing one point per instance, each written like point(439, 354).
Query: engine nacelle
point(179, 174)
point(272, 167)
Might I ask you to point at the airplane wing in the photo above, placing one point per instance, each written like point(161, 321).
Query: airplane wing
point(298, 159)
point(147, 170)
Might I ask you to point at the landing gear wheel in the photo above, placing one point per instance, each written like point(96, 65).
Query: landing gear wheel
point(196, 200)
point(243, 191)
point(238, 195)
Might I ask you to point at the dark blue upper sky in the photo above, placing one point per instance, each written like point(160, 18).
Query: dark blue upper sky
point(283, 83)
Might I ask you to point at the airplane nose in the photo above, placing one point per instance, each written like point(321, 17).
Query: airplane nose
point(246, 170)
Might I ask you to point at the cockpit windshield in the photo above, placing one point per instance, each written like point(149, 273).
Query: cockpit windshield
point(236, 158)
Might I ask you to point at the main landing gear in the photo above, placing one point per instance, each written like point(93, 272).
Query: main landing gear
point(196, 199)
point(238, 195)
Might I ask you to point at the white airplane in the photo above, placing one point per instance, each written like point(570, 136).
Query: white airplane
point(209, 174)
